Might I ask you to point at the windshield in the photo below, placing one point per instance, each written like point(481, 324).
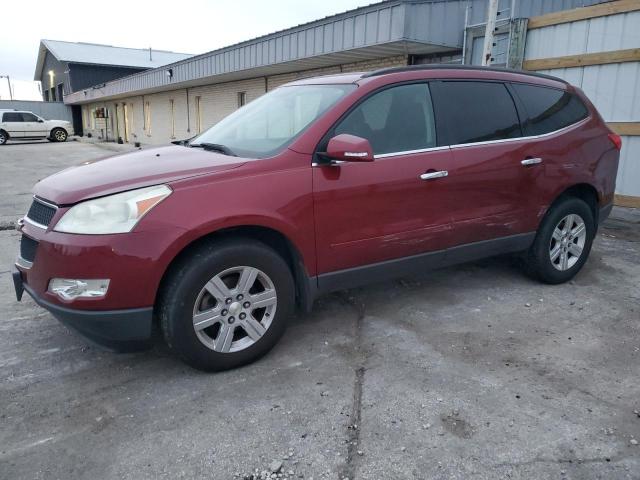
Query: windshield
point(270, 123)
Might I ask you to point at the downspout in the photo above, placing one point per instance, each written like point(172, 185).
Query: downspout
point(188, 112)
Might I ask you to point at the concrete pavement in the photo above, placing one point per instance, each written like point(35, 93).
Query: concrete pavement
point(472, 372)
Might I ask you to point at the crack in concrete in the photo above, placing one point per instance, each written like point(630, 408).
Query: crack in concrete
point(353, 429)
point(572, 461)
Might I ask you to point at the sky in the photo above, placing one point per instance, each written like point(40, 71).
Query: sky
point(189, 26)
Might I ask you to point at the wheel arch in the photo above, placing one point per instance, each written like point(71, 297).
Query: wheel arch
point(5, 132)
point(305, 292)
point(584, 191)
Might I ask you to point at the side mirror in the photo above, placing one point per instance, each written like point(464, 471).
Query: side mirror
point(349, 148)
point(40, 120)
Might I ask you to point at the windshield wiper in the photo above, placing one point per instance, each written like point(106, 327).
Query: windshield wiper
point(185, 142)
point(214, 147)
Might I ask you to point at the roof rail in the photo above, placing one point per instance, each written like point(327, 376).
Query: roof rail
point(431, 66)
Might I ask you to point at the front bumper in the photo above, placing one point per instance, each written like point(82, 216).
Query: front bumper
point(121, 330)
point(134, 263)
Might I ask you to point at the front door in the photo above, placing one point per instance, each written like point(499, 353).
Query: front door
point(383, 210)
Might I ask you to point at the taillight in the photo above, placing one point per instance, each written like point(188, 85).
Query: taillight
point(616, 140)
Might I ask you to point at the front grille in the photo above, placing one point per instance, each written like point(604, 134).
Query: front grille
point(41, 213)
point(28, 247)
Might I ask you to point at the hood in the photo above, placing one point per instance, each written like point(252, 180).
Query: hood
point(131, 170)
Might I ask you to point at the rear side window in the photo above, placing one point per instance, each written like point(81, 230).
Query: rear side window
point(475, 111)
point(549, 109)
point(12, 117)
point(397, 119)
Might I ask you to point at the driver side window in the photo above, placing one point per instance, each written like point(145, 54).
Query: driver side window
point(397, 119)
point(29, 117)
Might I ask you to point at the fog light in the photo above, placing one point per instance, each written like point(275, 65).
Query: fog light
point(69, 289)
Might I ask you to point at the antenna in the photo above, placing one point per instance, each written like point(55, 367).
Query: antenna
point(150, 57)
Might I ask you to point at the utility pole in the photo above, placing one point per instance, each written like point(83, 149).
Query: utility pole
point(492, 14)
point(8, 83)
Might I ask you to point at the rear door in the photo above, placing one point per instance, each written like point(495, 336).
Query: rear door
point(13, 124)
point(382, 210)
point(492, 193)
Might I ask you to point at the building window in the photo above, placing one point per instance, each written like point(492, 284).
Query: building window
point(53, 94)
point(60, 92)
point(172, 112)
point(46, 95)
point(198, 115)
point(147, 118)
point(242, 99)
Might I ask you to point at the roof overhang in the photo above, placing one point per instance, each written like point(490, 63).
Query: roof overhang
point(127, 87)
point(396, 27)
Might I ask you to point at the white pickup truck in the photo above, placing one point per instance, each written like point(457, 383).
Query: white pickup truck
point(22, 125)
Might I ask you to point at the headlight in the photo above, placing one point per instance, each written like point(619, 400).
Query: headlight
point(117, 213)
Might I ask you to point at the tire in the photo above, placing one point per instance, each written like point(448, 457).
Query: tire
point(58, 135)
point(254, 331)
point(559, 251)
point(3, 137)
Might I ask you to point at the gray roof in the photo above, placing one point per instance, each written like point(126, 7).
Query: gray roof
point(93, 53)
point(392, 27)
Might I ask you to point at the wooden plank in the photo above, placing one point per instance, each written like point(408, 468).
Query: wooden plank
point(583, 13)
point(583, 59)
point(626, 201)
point(625, 128)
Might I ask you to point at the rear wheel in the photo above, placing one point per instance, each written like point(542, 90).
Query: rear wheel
point(58, 135)
point(227, 304)
point(563, 242)
point(3, 137)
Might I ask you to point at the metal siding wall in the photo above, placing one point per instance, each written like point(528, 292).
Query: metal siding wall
point(614, 32)
point(85, 76)
point(47, 110)
point(613, 88)
point(628, 181)
point(526, 8)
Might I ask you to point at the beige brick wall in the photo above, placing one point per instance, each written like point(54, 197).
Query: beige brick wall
point(368, 65)
point(276, 81)
point(216, 102)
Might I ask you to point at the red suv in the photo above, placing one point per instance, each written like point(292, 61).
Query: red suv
point(323, 184)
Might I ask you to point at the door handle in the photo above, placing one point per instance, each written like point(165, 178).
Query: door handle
point(531, 161)
point(434, 175)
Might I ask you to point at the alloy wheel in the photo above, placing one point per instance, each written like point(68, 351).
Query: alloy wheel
point(567, 242)
point(60, 135)
point(234, 309)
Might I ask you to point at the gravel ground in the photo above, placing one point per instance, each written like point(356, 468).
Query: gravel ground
point(472, 372)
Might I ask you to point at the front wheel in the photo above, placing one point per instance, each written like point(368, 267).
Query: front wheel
point(563, 242)
point(227, 304)
point(58, 135)
point(3, 137)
